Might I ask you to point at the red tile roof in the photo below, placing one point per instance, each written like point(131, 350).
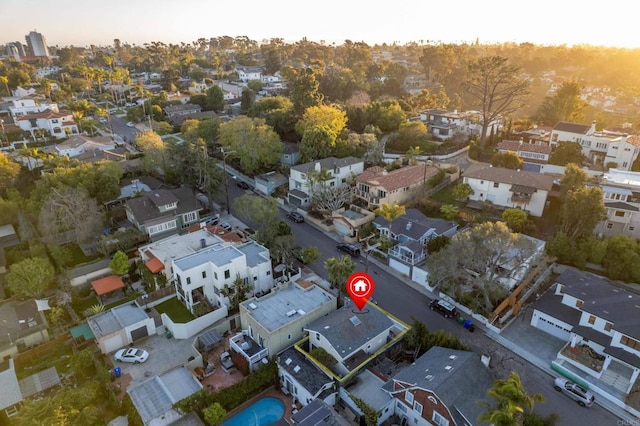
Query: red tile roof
point(155, 265)
point(107, 284)
point(44, 114)
point(396, 179)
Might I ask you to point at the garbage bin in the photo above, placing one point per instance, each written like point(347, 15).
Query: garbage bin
point(117, 371)
point(461, 321)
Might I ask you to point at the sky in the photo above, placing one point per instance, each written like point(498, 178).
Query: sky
point(86, 22)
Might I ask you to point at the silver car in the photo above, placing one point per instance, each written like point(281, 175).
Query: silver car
point(576, 392)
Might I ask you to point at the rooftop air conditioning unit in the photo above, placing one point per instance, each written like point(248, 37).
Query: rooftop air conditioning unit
point(253, 306)
point(291, 313)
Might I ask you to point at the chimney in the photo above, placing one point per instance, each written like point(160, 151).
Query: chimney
point(521, 141)
point(408, 226)
point(592, 130)
point(203, 243)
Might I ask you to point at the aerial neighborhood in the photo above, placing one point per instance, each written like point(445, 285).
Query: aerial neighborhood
point(179, 225)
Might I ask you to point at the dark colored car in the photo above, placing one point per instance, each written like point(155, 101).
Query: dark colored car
point(445, 308)
point(296, 217)
point(242, 184)
point(350, 249)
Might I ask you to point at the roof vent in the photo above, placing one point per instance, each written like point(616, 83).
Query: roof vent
point(301, 312)
point(291, 313)
point(253, 306)
point(429, 377)
point(288, 361)
point(408, 225)
point(355, 320)
point(453, 356)
point(448, 368)
point(296, 368)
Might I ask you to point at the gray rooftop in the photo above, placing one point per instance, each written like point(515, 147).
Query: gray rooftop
point(10, 394)
point(255, 253)
point(347, 329)
point(145, 208)
point(414, 224)
point(458, 378)
point(178, 246)
point(7, 231)
point(307, 374)
point(318, 413)
point(271, 310)
point(327, 163)
point(157, 395)
point(603, 299)
point(564, 126)
point(39, 382)
point(218, 254)
point(368, 387)
point(509, 176)
point(116, 319)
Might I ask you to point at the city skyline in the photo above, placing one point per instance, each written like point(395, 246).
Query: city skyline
point(142, 21)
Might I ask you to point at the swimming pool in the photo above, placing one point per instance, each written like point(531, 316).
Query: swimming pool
point(261, 413)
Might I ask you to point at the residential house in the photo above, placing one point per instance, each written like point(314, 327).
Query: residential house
point(172, 111)
point(412, 231)
point(621, 192)
point(609, 149)
point(56, 124)
point(246, 74)
point(79, 144)
point(446, 125)
point(537, 135)
point(528, 152)
point(340, 169)
point(303, 380)
point(24, 106)
point(163, 212)
point(290, 155)
point(204, 276)
point(267, 183)
point(275, 321)
point(441, 387)
point(354, 338)
point(318, 412)
point(11, 395)
point(154, 398)
point(509, 188)
point(376, 185)
point(121, 326)
point(348, 222)
point(591, 313)
point(23, 326)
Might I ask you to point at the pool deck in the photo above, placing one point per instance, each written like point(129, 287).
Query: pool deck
point(271, 392)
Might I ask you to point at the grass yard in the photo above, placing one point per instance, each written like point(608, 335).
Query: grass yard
point(171, 139)
point(77, 256)
point(175, 310)
point(80, 305)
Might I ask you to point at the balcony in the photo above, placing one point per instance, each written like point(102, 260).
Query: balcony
point(520, 198)
point(369, 197)
point(247, 347)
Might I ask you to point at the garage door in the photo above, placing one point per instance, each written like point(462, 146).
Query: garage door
point(553, 329)
point(113, 343)
point(400, 267)
point(139, 333)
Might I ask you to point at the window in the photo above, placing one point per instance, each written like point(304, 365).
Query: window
point(188, 280)
point(496, 184)
point(268, 273)
point(204, 274)
point(417, 407)
point(592, 319)
point(609, 225)
point(439, 419)
point(227, 274)
point(401, 406)
point(189, 217)
point(579, 303)
point(619, 213)
point(215, 275)
point(408, 396)
point(608, 326)
point(288, 337)
point(317, 336)
point(628, 341)
point(631, 228)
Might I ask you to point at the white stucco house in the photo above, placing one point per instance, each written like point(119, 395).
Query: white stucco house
point(247, 74)
point(80, 144)
point(19, 107)
point(56, 124)
point(445, 125)
point(621, 192)
point(509, 188)
point(342, 170)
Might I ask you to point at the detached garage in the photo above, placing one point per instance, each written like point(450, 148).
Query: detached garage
point(121, 326)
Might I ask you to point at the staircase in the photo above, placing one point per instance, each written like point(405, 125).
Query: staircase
point(615, 380)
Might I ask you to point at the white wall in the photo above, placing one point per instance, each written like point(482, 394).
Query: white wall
point(191, 328)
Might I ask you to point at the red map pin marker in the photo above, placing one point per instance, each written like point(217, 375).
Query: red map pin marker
point(360, 288)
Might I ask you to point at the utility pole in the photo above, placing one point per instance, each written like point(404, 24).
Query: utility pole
point(226, 179)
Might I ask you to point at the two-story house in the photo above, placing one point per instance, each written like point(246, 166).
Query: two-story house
point(246, 74)
point(276, 321)
point(79, 144)
point(621, 192)
point(619, 150)
point(172, 111)
point(163, 212)
point(528, 152)
point(592, 314)
point(442, 387)
point(412, 231)
point(56, 124)
point(446, 125)
point(342, 170)
point(509, 188)
point(201, 277)
point(376, 185)
point(302, 379)
point(19, 107)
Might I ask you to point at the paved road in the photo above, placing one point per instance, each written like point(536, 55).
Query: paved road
point(406, 303)
point(120, 127)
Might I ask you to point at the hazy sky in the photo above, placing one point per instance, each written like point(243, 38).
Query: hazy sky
point(85, 22)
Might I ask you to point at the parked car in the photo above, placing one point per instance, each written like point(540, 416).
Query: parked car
point(130, 124)
point(445, 308)
point(227, 226)
point(242, 184)
point(296, 217)
point(574, 391)
point(350, 249)
point(133, 355)
point(210, 220)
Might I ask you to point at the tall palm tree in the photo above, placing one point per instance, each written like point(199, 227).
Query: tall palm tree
point(339, 270)
point(390, 211)
point(77, 117)
point(512, 401)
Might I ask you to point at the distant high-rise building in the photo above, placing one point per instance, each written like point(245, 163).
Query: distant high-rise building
point(19, 47)
point(37, 44)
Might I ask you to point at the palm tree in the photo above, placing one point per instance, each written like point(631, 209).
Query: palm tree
point(339, 270)
point(5, 80)
point(411, 155)
point(77, 117)
point(512, 402)
point(390, 211)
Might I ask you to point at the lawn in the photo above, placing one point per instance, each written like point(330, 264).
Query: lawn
point(77, 256)
point(80, 305)
point(175, 310)
point(171, 139)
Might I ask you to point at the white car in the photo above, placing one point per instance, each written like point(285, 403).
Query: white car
point(576, 392)
point(133, 355)
point(130, 124)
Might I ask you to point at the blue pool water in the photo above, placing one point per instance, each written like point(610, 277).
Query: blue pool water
point(261, 413)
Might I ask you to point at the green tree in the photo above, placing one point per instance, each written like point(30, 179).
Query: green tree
point(516, 219)
point(386, 115)
point(390, 211)
point(214, 414)
point(215, 99)
point(436, 244)
point(565, 153)
point(574, 178)
point(30, 277)
point(263, 213)
point(9, 170)
point(317, 143)
point(581, 211)
point(247, 99)
point(622, 260)
point(309, 254)
point(330, 117)
point(507, 160)
point(153, 148)
point(255, 143)
point(462, 191)
point(496, 88)
point(339, 269)
point(511, 402)
point(119, 263)
point(564, 105)
point(303, 86)
point(449, 211)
